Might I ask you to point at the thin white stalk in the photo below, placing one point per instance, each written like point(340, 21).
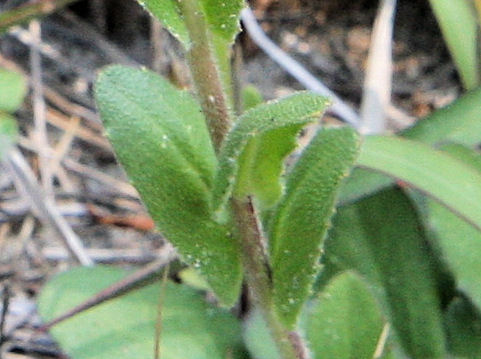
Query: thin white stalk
point(378, 80)
point(295, 69)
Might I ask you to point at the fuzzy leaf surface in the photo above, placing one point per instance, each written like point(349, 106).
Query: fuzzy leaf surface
point(290, 112)
point(168, 13)
point(13, 88)
point(380, 237)
point(345, 322)
point(125, 327)
point(223, 17)
point(160, 138)
point(8, 133)
point(301, 219)
point(446, 179)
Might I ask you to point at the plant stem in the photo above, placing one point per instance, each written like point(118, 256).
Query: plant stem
point(205, 72)
point(257, 273)
point(207, 80)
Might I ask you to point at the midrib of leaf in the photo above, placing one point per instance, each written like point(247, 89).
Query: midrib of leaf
point(178, 148)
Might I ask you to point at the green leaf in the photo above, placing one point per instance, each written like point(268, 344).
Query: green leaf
point(457, 122)
point(257, 337)
point(223, 17)
point(290, 112)
point(459, 25)
point(160, 137)
point(168, 13)
point(380, 237)
point(300, 221)
point(262, 163)
point(125, 327)
point(13, 88)
point(463, 328)
point(345, 321)
point(446, 179)
point(460, 242)
point(251, 97)
point(8, 133)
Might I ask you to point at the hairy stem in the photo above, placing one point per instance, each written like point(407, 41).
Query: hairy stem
point(205, 72)
point(208, 83)
point(257, 273)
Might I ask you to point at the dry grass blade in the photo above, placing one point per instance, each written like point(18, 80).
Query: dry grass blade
point(377, 84)
point(39, 108)
point(45, 208)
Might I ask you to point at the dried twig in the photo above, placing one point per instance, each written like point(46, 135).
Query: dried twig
point(377, 84)
point(294, 68)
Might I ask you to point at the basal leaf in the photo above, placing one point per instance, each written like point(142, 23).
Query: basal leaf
point(125, 327)
point(289, 112)
point(345, 322)
point(168, 13)
point(459, 24)
point(380, 237)
point(160, 138)
point(8, 133)
point(300, 220)
point(223, 17)
point(446, 179)
point(13, 88)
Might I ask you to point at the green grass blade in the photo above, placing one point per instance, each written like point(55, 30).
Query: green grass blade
point(290, 112)
point(442, 177)
point(459, 25)
point(460, 242)
point(160, 137)
point(300, 220)
point(457, 122)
